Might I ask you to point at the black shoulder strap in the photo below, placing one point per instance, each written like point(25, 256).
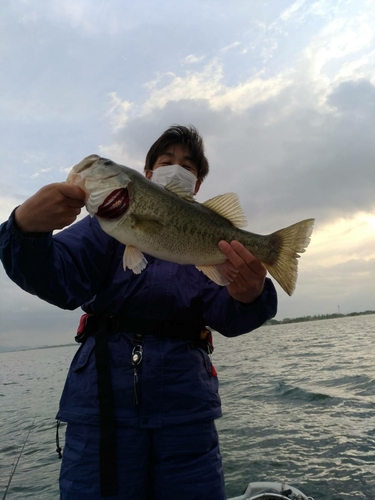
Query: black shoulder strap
point(107, 447)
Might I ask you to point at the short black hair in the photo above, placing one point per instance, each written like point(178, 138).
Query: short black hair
point(186, 136)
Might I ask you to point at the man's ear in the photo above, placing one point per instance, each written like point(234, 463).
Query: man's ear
point(197, 185)
point(148, 174)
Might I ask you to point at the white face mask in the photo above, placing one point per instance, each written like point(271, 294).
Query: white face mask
point(176, 174)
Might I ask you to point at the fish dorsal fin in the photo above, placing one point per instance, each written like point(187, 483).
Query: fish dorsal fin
point(180, 191)
point(134, 259)
point(228, 206)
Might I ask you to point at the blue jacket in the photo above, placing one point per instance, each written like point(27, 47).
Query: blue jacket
point(82, 266)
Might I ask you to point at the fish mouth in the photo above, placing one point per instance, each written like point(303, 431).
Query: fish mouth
point(115, 204)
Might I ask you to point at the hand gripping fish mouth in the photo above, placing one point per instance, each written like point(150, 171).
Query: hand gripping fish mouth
point(102, 199)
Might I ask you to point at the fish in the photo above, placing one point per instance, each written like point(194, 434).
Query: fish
point(169, 224)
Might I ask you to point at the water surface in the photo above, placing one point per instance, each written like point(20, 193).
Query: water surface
point(298, 401)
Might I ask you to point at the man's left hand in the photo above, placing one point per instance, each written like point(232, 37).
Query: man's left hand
point(248, 282)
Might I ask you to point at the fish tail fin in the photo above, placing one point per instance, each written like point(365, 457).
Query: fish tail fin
point(290, 241)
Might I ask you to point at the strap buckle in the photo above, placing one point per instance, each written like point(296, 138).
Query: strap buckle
point(137, 355)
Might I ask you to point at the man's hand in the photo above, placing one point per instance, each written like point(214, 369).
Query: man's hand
point(53, 207)
point(248, 282)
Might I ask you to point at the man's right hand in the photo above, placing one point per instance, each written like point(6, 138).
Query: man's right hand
point(53, 207)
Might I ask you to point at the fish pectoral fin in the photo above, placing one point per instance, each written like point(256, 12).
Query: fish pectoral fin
point(134, 259)
point(146, 224)
point(228, 206)
point(215, 273)
point(179, 191)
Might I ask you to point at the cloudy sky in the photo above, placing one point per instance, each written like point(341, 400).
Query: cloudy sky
point(283, 93)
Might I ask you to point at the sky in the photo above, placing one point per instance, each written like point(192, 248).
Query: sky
point(282, 92)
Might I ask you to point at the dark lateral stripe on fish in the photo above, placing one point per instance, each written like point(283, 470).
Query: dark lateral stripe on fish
point(115, 204)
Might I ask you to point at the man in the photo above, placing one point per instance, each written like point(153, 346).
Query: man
point(141, 395)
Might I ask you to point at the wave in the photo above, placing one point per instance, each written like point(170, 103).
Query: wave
point(301, 394)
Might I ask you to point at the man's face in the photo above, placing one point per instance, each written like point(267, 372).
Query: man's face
point(176, 154)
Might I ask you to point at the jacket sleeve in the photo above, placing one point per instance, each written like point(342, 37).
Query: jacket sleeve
point(66, 269)
point(230, 317)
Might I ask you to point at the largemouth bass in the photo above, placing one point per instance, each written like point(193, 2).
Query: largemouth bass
point(169, 224)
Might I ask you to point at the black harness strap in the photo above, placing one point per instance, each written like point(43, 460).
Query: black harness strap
point(186, 330)
point(101, 327)
point(107, 445)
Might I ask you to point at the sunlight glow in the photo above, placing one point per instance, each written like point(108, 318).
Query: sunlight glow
point(343, 240)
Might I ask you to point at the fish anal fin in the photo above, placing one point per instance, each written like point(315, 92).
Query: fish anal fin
point(134, 259)
point(228, 206)
point(290, 242)
point(215, 273)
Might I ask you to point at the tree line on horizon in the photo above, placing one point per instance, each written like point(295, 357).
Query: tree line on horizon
point(316, 317)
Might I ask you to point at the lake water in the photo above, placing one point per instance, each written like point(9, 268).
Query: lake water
point(298, 401)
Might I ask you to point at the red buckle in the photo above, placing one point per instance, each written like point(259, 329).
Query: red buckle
point(81, 328)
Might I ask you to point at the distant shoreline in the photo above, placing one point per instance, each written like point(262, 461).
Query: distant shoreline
point(27, 348)
point(271, 322)
point(317, 317)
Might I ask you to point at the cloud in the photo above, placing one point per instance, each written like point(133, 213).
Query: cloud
point(192, 59)
point(295, 159)
point(339, 39)
point(354, 98)
point(292, 9)
point(41, 172)
point(201, 84)
point(230, 46)
point(119, 111)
